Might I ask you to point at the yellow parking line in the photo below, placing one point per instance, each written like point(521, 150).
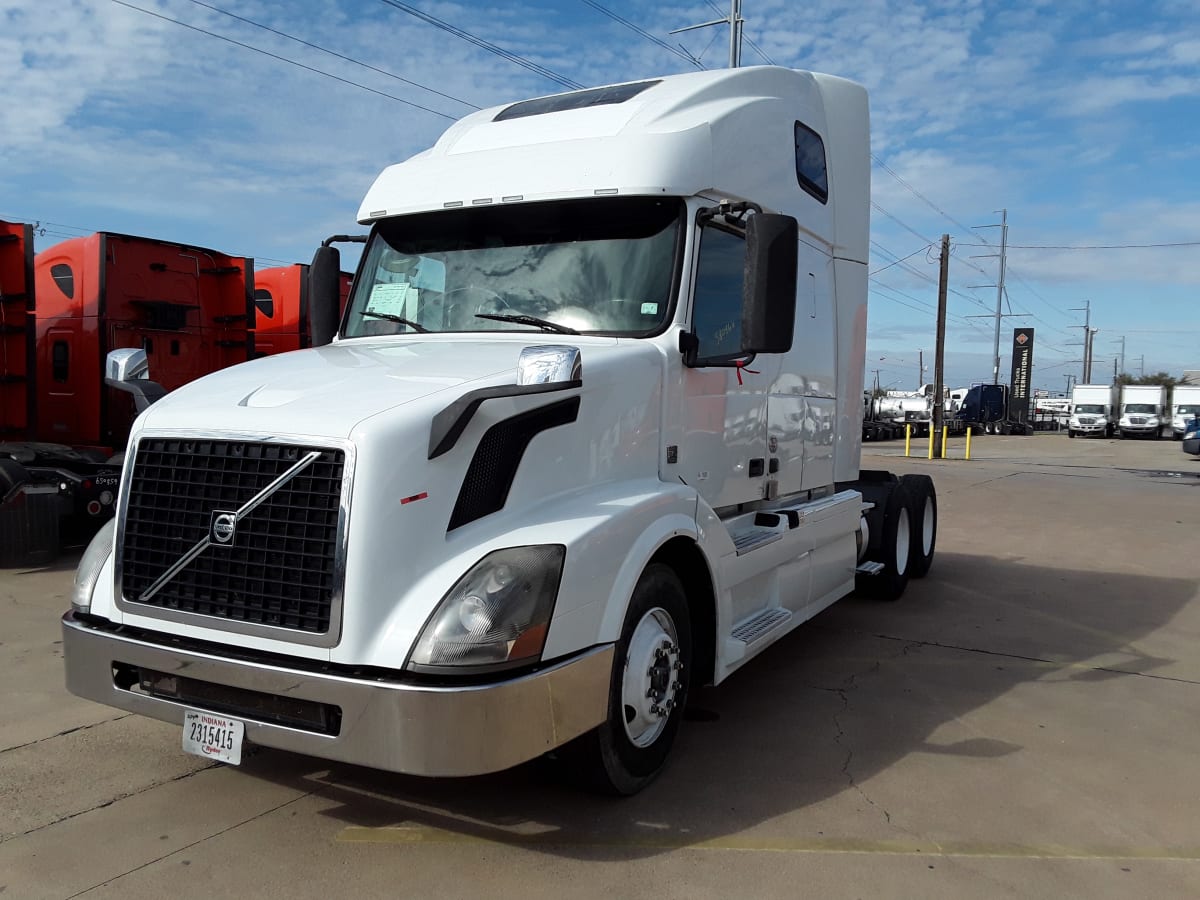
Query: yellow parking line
point(420, 834)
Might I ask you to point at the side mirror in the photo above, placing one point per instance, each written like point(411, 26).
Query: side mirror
point(128, 369)
point(769, 288)
point(126, 364)
point(324, 295)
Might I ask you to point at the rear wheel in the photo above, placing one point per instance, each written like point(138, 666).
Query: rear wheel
point(922, 522)
point(647, 692)
point(895, 548)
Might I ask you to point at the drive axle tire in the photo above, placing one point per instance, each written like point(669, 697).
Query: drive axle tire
point(923, 521)
point(652, 667)
point(894, 549)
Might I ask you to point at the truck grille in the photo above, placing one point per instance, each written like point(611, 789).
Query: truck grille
point(278, 570)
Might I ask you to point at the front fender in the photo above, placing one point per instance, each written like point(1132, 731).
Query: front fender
point(614, 533)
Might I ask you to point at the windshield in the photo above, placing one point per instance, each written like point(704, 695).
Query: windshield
point(1140, 408)
point(600, 265)
point(1095, 409)
point(1188, 409)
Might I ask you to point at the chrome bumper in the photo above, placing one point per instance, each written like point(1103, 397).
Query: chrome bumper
point(397, 727)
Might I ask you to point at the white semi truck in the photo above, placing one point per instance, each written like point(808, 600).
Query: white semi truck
point(1094, 410)
point(1143, 411)
point(587, 435)
point(1185, 406)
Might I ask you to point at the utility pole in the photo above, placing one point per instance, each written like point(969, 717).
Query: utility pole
point(920, 368)
point(1122, 342)
point(735, 21)
point(1142, 366)
point(1087, 355)
point(1000, 294)
point(1086, 309)
point(939, 352)
point(1003, 226)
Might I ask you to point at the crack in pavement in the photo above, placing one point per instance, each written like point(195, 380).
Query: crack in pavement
point(59, 734)
point(116, 799)
point(843, 695)
point(915, 642)
point(216, 834)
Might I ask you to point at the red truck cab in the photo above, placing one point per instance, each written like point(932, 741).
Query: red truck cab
point(189, 308)
point(17, 412)
point(281, 308)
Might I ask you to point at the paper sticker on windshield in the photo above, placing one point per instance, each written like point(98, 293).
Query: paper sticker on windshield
point(649, 309)
point(390, 298)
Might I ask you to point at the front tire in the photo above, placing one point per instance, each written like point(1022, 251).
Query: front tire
point(647, 693)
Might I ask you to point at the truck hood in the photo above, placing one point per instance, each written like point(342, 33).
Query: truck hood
point(328, 390)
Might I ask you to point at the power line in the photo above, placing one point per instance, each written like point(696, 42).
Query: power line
point(919, 195)
point(283, 59)
point(333, 53)
point(536, 68)
point(647, 35)
point(963, 228)
point(898, 261)
point(903, 225)
point(1093, 246)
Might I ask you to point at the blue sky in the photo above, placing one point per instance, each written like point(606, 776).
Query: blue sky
point(1082, 119)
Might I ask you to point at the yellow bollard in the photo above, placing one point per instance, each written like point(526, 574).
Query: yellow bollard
point(932, 435)
point(968, 456)
point(907, 438)
point(945, 435)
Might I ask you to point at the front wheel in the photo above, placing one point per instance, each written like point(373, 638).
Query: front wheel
point(647, 692)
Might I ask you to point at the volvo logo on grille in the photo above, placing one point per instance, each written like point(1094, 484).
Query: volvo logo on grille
point(222, 527)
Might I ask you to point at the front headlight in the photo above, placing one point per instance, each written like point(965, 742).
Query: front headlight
point(90, 564)
point(496, 616)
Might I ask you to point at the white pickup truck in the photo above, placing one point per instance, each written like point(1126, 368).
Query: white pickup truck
point(587, 435)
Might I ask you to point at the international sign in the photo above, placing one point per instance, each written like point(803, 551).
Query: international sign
point(1022, 372)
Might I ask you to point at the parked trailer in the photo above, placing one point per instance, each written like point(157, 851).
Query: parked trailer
point(572, 453)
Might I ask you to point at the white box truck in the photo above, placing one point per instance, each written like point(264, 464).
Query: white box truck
point(1143, 411)
point(1094, 410)
point(587, 435)
point(1185, 406)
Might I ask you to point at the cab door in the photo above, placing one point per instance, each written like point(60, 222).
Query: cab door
point(723, 452)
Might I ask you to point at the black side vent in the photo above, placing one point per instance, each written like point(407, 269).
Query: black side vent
point(494, 466)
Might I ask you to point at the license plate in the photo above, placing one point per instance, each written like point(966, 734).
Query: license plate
point(213, 737)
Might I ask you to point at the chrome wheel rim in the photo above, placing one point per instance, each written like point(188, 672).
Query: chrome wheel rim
point(650, 684)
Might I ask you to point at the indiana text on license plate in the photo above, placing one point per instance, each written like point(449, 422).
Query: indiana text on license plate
point(213, 737)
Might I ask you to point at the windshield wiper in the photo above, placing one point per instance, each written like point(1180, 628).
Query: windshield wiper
point(415, 326)
point(528, 320)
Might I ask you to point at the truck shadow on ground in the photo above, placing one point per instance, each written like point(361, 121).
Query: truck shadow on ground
point(840, 700)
